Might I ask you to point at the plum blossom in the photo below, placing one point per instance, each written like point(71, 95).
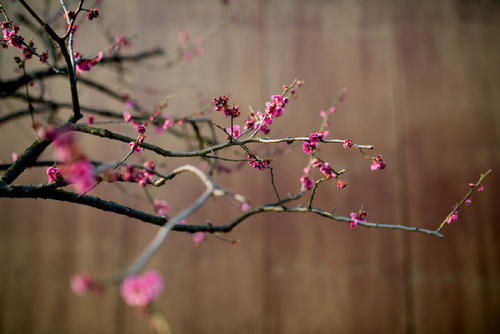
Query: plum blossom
point(54, 173)
point(453, 217)
point(306, 181)
point(377, 163)
point(140, 291)
point(198, 238)
point(327, 171)
point(347, 143)
point(258, 164)
point(235, 131)
point(81, 175)
point(245, 206)
point(222, 104)
point(160, 207)
point(82, 283)
point(127, 116)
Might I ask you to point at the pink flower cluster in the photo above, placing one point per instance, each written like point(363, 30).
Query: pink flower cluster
point(130, 173)
point(144, 176)
point(10, 34)
point(83, 64)
point(235, 132)
point(222, 105)
point(161, 207)
point(453, 217)
point(311, 144)
point(140, 291)
point(306, 181)
point(258, 164)
point(357, 217)
point(76, 168)
point(135, 146)
point(274, 109)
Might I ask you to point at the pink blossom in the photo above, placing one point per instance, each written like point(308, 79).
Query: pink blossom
point(245, 206)
point(120, 42)
point(306, 181)
point(82, 283)
point(136, 145)
point(140, 128)
point(65, 149)
point(187, 56)
point(316, 163)
point(316, 137)
point(468, 201)
point(308, 147)
point(14, 156)
point(90, 120)
point(182, 222)
point(130, 104)
point(357, 217)
point(168, 123)
point(184, 37)
point(235, 131)
point(480, 188)
point(81, 175)
point(160, 207)
point(258, 164)
point(54, 173)
point(377, 163)
point(222, 105)
point(354, 220)
point(327, 171)
point(83, 64)
point(127, 116)
point(198, 238)
point(140, 291)
point(347, 143)
point(333, 110)
point(341, 184)
point(453, 217)
point(322, 113)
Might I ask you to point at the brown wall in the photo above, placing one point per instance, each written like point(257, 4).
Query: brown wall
point(423, 80)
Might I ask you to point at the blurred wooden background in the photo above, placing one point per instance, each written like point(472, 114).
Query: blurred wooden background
point(423, 80)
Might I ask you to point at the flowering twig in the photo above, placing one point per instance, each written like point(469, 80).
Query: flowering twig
point(463, 201)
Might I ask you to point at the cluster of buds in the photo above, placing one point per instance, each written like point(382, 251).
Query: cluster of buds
point(357, 217)
point(258, 164)
point(10, 35)
point(222, 105)
point(83, 64)
point(76, 168)
point(311, 144)
point(306, 181)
